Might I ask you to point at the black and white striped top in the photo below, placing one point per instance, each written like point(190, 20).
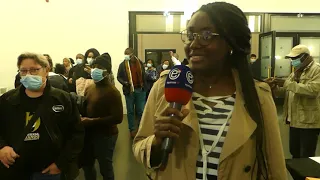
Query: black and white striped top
point(211, 119)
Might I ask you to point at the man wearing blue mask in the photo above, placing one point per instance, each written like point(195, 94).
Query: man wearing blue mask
point(302, 103)
point(41, 134)
point(104, 111)
point(131, 75)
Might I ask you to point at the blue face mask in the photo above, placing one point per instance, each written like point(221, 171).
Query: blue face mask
point(31, 82)
point(296, 63)
point(97, 74)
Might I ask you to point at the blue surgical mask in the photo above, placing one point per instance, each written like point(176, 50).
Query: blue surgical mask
point(31, 82)
point(97, 74)
point(296, 63)
point(127, 57)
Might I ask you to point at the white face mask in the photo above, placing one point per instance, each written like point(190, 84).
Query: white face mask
point(127, 57)
point(149, 65)
point(89, 60)
point(164, 66)
point(252, 60)
point(79, 61)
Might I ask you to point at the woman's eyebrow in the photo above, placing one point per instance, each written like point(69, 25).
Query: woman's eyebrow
point(191, 28)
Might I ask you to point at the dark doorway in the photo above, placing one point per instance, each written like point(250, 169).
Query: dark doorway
point(158, 55)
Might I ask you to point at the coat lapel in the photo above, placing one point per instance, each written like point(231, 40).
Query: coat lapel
point(192, 119)
point(241, 125)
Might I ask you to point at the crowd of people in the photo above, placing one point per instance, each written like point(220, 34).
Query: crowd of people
point(61, 118)
point(70, 111)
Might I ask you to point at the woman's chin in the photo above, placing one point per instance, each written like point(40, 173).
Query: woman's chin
point(198, 67)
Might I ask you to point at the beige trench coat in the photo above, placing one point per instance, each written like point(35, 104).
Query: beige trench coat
point(238, 152)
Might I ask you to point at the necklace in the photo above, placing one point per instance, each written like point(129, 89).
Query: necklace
point(210, 85)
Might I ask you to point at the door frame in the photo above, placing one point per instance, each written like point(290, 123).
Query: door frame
point(295, 40)
point(133, 33)
point(307, 34)
point(273, 50)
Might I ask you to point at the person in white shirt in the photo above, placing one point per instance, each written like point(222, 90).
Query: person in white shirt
point(175, 58)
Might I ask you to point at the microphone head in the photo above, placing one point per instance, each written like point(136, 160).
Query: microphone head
point(178, 87)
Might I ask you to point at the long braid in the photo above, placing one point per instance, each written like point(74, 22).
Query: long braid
point(232, 25)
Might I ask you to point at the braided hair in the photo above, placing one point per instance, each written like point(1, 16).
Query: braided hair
point(232, 25)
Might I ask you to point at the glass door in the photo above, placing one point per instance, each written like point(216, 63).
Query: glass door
point(311, 40)
point(267, 54)
point(284, 43)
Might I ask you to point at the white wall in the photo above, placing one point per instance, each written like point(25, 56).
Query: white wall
point(61, 28)
point(311, 6)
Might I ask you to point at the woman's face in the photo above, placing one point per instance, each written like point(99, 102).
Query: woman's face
point(150, 62)
point(33, 68)
point(210, 55)
point(66, 62)
point(90, 55)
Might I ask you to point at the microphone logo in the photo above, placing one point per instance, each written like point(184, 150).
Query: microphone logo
point(174, 74)
point(189, 77)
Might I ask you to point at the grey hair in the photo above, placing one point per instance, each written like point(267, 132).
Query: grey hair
point(38, 58)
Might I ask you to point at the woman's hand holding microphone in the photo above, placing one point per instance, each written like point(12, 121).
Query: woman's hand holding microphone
point(166, 126)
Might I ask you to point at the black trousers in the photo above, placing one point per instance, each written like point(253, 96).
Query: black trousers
point(303, 142)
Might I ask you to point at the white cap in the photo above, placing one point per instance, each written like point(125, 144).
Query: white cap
point(297, 50)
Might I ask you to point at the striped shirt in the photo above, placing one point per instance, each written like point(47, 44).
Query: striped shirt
point(211, 119)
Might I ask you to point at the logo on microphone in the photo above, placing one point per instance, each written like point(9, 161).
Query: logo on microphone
point(189, 77)
point(174, 74)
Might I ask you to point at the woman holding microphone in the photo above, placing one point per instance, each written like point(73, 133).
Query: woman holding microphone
point(231, 117)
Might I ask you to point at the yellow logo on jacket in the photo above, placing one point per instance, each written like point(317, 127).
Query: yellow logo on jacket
point(36, 125)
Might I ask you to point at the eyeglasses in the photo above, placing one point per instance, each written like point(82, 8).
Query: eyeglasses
point(205, 37)
point(24, 72)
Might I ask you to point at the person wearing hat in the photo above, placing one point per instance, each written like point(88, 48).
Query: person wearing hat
point(104, 111)
point(302, 103)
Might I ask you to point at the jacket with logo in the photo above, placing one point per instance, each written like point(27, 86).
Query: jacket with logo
point(62, 123)
point(238, 157)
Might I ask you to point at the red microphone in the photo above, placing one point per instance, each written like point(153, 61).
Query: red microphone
point(178, 91)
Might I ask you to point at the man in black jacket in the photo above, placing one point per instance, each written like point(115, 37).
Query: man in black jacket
point(52, 145)
point(131, 75)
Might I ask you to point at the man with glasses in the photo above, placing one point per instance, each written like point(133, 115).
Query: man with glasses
point(55, 80)
point(41, 134)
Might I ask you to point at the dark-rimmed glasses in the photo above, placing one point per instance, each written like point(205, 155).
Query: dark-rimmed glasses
point(33, 71)
point(204, 38)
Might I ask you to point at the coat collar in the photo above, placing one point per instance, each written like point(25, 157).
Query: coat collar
point(241, 126)
point(15, 97)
